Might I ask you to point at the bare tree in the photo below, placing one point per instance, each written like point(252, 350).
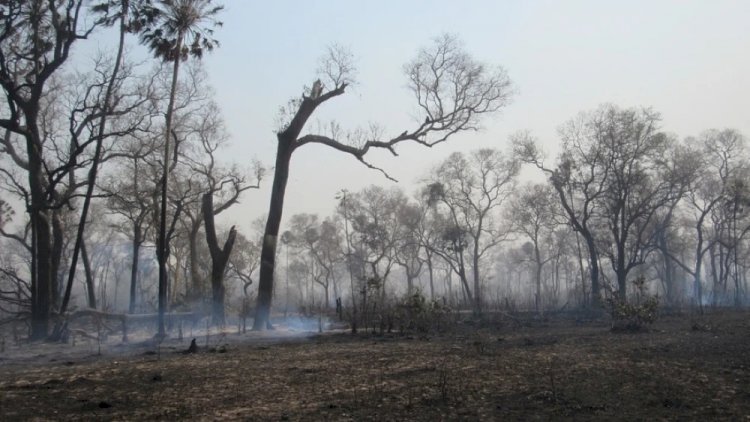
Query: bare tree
point(130, 20)
point(320, 240)
point(131, 198)
point(612, 181)
point(201, 134)
point(469, 191)
point(219, 259)
point(640, 184)
point(452, 91)
point(374, 213)
point(579, 178)
point(36, 38)
point(408, 250)
point(533, 213)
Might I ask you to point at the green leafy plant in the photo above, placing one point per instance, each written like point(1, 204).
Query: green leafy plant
point(634, 316)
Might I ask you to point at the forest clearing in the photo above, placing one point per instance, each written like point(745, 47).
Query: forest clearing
point(686, 366)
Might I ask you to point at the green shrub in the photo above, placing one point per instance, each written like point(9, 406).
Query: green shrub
point(634, 316)
point(415, 313)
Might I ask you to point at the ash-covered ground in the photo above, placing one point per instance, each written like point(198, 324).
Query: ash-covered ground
point(685, 367)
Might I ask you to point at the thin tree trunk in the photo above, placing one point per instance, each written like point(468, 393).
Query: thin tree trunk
point(89, 276)
point(431, 275)
point(96, 159)
point(593, 270)
point(475, 272)
point(134, 268)
point(162, 253)
point(196, 285)
point(538, 277)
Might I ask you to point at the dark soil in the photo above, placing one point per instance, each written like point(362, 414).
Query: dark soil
point(684, 368)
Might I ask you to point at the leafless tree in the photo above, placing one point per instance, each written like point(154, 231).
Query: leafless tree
point(452, 91)
point(533, 214)
point(36, 38)
point(409, 245)
point(468, 191)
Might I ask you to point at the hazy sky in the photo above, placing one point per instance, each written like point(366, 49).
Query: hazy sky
point(689, 60)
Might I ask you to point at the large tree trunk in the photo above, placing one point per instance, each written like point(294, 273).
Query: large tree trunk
point(41, 257)
point(41, 274)
point(219, 259)
point(268, 249)
point(58, 240)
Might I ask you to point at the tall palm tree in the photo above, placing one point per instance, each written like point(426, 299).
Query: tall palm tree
point(180, 29)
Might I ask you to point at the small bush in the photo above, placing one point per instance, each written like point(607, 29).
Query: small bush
point(415, 313)
point(634, 316)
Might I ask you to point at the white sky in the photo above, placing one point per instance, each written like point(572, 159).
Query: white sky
point(689, 60)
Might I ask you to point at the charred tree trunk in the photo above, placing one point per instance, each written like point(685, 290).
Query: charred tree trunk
point(134, 267)
point(162, 253)
point(287, 142)
point(196, 281)
point(58, 238)
point(41, 232)
point(538, 277)
point(593, 269)
point(219, 259)
point(41, 274)
point(89, 276)
point(91, 182)
point(268, 249)
point(431, 275)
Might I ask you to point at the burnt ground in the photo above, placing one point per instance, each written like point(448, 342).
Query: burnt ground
point(685, 367)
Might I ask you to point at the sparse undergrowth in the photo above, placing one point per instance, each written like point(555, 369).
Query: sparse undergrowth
point(556, 369)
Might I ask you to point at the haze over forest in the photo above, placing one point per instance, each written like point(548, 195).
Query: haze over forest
point(374, 210)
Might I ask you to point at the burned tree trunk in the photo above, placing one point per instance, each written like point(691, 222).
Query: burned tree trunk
point(268, 249)
point(219, 259)
point(134, 268)
point(90, 290)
